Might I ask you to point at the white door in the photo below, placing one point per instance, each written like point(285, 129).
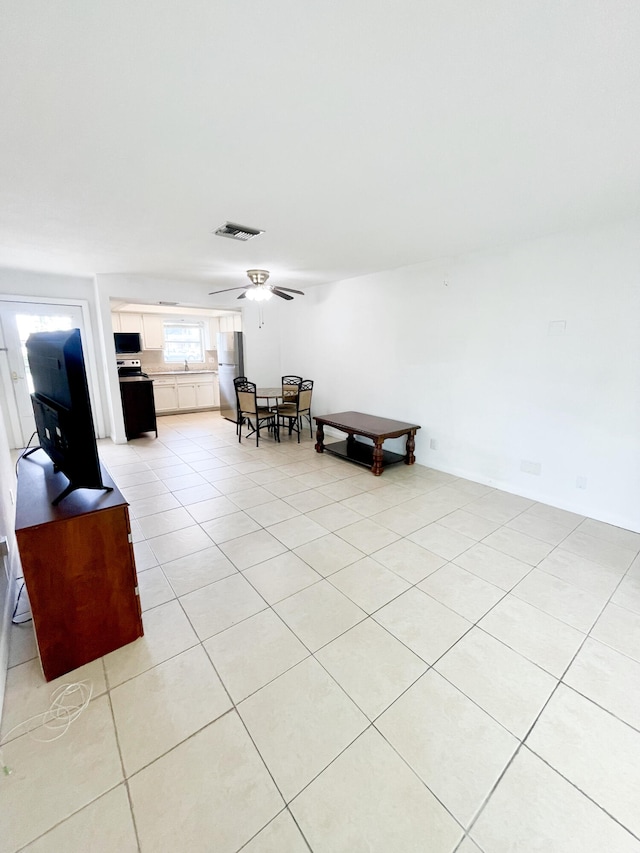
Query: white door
point(17, 321)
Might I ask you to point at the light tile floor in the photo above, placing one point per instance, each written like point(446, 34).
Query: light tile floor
point(338, 663)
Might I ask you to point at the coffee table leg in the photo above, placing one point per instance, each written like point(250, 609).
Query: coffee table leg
point(377, 459)
point(319, 438)
point(409, 459)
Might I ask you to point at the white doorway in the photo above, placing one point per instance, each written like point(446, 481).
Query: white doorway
point(17, 321)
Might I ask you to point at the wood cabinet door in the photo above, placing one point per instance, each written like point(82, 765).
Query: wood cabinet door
point(81, 579)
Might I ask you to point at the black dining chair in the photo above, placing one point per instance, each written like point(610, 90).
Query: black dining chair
point(239, 418)
point(295, 412)
point(249, 411)
point(290, 386)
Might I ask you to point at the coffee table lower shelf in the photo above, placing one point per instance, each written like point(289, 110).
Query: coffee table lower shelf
point(361, 453)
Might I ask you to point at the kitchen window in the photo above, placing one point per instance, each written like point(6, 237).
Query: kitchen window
point(183, 342)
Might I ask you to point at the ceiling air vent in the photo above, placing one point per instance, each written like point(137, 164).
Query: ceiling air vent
point(237, 232)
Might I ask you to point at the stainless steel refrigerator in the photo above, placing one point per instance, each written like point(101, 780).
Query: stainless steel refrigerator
point(230, 365)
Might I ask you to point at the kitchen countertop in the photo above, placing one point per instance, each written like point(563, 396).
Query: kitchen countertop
point(178, 372)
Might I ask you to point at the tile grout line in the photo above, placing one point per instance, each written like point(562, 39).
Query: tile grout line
point(371, 724)
point(523, 743)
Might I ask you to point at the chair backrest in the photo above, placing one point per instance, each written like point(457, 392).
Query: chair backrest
point(290, 387)
point(246, 394)
point(304, 395)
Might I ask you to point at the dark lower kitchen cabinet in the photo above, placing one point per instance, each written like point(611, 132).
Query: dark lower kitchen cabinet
point(138, 405)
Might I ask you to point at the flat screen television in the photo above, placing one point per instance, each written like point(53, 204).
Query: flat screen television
point(62, 408)
point(127, 342)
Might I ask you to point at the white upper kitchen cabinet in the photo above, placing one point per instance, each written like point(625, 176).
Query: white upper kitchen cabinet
point(231, 323)
point(131, 322)
point(211, 331)
point(153, 331)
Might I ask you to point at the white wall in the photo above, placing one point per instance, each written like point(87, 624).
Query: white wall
point(265, 336)
point(28, 283)
point(473, 361)
point(8, 586)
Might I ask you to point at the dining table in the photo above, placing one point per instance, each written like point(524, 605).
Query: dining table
point(264, 396)
point(269, 394)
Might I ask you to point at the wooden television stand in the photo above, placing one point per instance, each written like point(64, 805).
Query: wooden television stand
point(78, 566)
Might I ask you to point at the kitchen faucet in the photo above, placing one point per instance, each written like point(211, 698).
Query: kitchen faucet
point(186, 364)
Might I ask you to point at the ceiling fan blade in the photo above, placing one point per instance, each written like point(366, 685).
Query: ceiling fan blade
point(289, 289)
point(244, 287)
point(242, 296)
point(280, 294)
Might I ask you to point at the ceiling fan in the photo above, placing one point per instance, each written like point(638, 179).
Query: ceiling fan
point(259, 290)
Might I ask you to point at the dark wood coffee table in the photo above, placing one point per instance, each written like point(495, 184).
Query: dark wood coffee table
point(368, 426)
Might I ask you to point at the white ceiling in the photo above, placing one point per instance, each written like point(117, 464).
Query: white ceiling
point(360, 135)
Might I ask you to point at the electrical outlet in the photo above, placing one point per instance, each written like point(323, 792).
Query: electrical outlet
point(581, 482)
point(530, 467)
point(557, 327)
point(433, 444)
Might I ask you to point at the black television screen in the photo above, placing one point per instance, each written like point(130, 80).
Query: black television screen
point(127, 342)
point(62, 408)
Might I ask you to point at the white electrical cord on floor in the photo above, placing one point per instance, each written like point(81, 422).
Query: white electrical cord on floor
point(58, 716)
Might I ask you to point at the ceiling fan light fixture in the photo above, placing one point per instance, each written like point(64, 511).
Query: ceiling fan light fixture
point(258, 276)
point(261, 291)
point(259, 294)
